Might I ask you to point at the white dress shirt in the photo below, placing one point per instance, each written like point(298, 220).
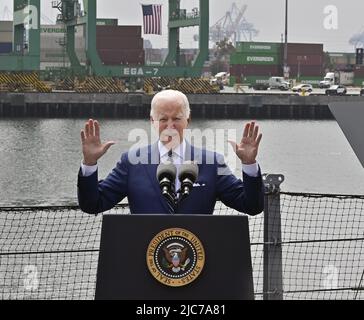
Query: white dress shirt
point(178, 156)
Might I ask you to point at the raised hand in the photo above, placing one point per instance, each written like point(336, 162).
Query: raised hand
point(247, 149)
point(92, 148)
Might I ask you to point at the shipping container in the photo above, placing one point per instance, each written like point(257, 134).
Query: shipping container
point(253, 80)
point(53, 66)
point(58, 55)
point(232, 80)
point(303, 70)
point(119, 31)
point(57, 44)
point(116, 57)
point(341, 58)
point(255, 58)
point(255, 70)
point(346, 78)
point(261, 70)
point(153, 55)
point(235, 58)
point(314, 81)
point(258, 47)
point(305, 60)
point(6, 26)
point(343, 67)
point(53, 56)
point(359, 71)
point(118, 43)
point(6, 47)
point(359, 81)
point(235, 69)
point(107, 22)
point(55, 29)
point(6, 36)
point(304, 48)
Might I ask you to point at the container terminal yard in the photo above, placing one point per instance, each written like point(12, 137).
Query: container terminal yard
point(84, 66)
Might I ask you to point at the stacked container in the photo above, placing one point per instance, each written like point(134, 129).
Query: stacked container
point(306, 61)
point(341, 60)
point(120, 45)
point(359, 75)
point(107, 22)
point(6, 37)
point(52, 46)
point(255, 61)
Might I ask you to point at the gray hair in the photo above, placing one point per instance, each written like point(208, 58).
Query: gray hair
point(171, 94)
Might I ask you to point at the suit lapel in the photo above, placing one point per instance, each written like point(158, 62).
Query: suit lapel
point(193, 154)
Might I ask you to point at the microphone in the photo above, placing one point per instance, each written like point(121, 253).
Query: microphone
point(188, 174)
point(166, 176)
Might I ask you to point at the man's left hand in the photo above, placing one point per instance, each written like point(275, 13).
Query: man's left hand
point(247, 149)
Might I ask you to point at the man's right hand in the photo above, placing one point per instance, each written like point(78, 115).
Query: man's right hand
point(92, 148)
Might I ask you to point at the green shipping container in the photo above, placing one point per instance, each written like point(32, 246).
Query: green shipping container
point(342, 58)
point(235, 58)
point(255, 58)
point(255, 80)
point(359, 82)
point(258, 47)
point(232, 81)
point(315, 81)
point(107, 22)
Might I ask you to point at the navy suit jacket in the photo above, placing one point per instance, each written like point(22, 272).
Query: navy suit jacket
point(138, 182)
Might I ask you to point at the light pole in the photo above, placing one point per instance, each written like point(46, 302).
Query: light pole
point(285, 67)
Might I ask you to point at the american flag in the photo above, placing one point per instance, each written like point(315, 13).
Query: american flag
point(152, 18)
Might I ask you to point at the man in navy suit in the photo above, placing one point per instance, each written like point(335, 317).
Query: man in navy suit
point(135, 174)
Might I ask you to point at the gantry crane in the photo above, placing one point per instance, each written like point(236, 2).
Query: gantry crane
point(71, 16)
point(26, 44)
point(26, 55)
point(233, 26)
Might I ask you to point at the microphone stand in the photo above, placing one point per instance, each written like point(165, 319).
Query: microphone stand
point(168, 191)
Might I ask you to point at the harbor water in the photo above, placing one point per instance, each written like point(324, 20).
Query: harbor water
point(40, 158)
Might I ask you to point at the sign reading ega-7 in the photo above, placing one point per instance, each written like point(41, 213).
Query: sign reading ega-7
point(140, 71)
point(148, 71)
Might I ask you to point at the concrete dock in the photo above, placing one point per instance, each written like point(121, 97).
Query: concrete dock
point(137, 105)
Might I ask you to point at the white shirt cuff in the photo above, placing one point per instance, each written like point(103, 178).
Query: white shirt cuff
point(88, 170)
point(251, 170)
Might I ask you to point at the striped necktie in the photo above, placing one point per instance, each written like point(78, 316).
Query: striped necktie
point(170, 205)
point(171, 158)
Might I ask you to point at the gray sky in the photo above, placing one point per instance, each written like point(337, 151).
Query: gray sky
point(306, 19)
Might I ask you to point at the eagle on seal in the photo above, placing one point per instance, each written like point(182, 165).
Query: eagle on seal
point(176, 258)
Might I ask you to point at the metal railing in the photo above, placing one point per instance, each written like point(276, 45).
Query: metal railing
point(305, 246)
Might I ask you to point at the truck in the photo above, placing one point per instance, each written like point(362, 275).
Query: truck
point(278, 83)
point(338, 77)
point(272, 83)
point(328, 81)
point(221, 79)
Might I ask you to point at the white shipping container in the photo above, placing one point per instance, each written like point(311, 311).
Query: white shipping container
point(346, 78)
point(53, 65)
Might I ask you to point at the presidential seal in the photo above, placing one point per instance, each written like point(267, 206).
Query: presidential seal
point(175, 257)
